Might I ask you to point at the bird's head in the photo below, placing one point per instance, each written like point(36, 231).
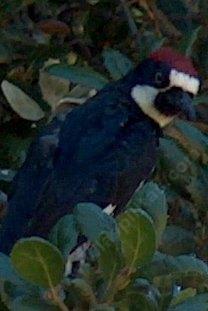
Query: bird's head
point(166, 83)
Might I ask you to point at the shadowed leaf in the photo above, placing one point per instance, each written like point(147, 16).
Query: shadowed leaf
point(197, 303)
point(64, 234)
point(152, 199)
point(116, 63)
point(21, 103)
point(109, 249)
point(176, 241)
point(38, 261)
point(187, 43)
point(53, 27)
point(137, 237)
point(183, 295)
point(32, 304)
point(92, 221)
point(79, 75)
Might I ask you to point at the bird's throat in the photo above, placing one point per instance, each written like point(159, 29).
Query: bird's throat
point(145, 96)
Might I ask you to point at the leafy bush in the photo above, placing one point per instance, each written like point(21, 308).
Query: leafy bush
point(154, 255)
point(123, 270)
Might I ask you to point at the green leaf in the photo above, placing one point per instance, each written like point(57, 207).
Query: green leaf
point(181, 172)
point(183, 295)
point(3, 306)
point(7, 272)
point(93, 221)
point(175, 167)
point(5, 54)
point(187, 264)
point(7, 175)
point(79, 75)
point(188, 40)
point(152, 199)
point(81, 292)
point(137, 237)
point(38, 261)
point(21, 103)
point(197, 303)
point(93, 2)
point(137, 14)
point(64, 234)
point(109, 249)
point(137, 300)
point(13, 153)
point(200, 99)
point(102, 307)
point(176, 241)
point(163, 264)
point(12, 285)
point(32, 304)
point(197, 189)
point(174, 9)
point(151, 294)
point(116, 63)
point(196, 142)
point(149, 42)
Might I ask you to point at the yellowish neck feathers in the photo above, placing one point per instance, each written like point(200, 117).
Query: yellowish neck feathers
point(145, 95)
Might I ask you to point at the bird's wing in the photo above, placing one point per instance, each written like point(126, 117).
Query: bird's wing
point(105, 151)
point(29, 183)
point(93, 156)
point(51, 152)
point(86, 149)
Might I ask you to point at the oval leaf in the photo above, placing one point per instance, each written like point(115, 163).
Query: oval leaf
point(5, 54)
point(79, 75)
point(64, 234)
point(137, 237)
point(7, 272)
point(176, 241)
point(175, 165)
point(93, 221)
point(38, 261)
point(21, 103)
point(183, 295)
point(153, 200)
point(102, 307)
point(53, 27)
point(116, 63)
point(197, 303)
point(83, 292)
point(145, 303)
point(32, 304)
point(193, 140)
point(163, 264)
point(109, 249)
point(188, 41)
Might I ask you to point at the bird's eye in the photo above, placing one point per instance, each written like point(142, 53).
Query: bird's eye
point(158, 78)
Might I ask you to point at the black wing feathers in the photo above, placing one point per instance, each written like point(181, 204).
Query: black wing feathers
point(99, 154)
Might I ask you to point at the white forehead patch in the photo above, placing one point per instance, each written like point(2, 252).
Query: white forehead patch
point(184, 81)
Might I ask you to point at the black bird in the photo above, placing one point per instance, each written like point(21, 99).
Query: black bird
point(103, 149)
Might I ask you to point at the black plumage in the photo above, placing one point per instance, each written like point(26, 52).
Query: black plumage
point(100, 153)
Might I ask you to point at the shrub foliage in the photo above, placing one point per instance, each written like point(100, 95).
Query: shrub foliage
point(55, 55)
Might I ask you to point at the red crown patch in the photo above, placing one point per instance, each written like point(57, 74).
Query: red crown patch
point(175, 60)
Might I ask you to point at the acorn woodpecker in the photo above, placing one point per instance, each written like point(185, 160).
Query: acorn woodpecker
point(102, 150)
